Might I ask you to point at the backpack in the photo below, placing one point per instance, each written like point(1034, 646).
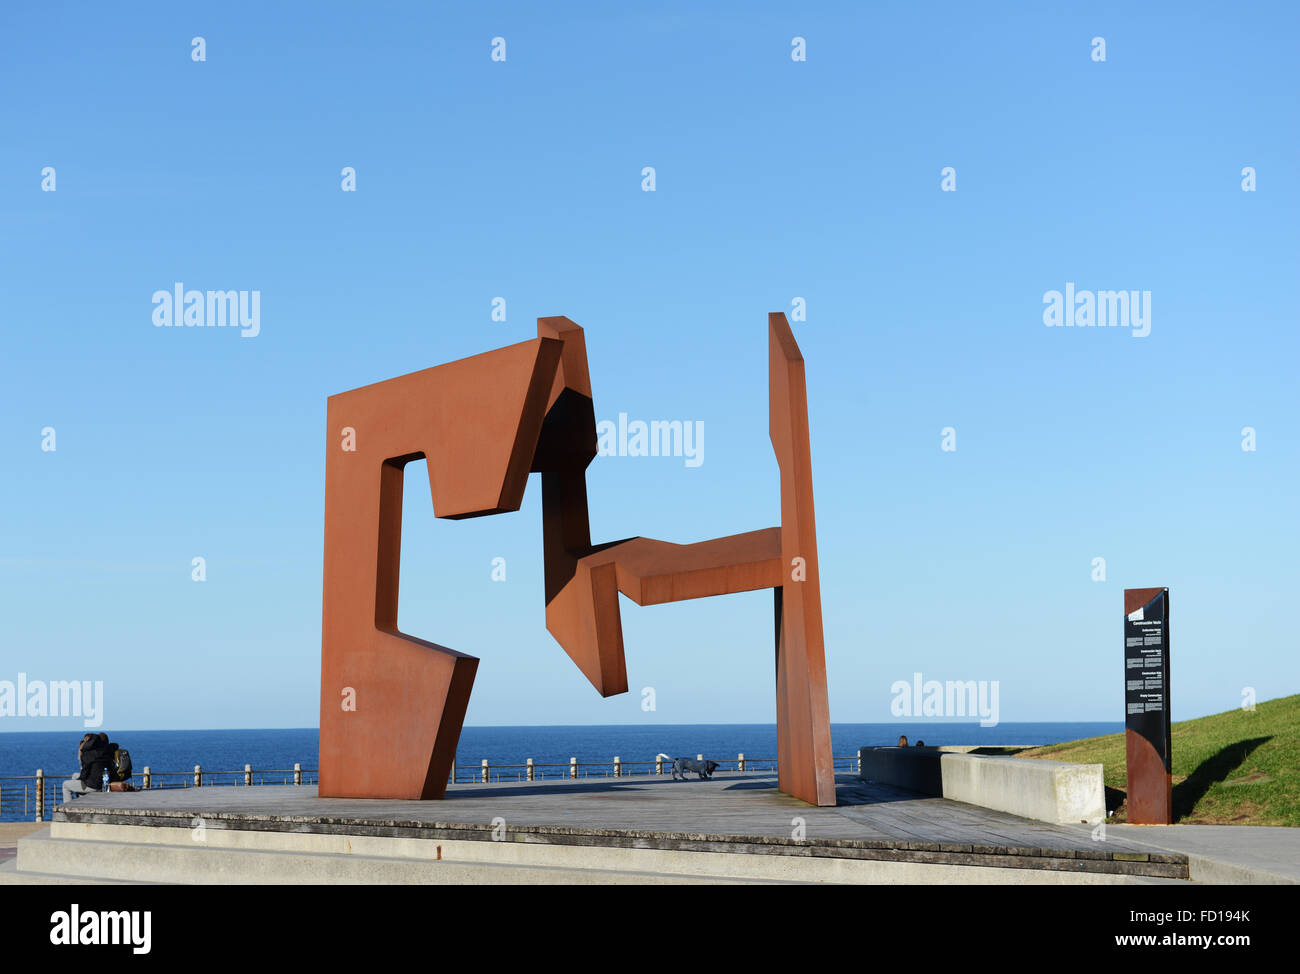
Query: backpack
point(122, 763)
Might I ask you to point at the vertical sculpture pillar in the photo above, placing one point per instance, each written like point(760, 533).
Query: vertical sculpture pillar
point(805, 766)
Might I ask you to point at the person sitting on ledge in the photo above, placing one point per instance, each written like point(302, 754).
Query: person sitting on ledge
point(74, 786)
point(95, 758)
point(902, 740)
point(920, 743)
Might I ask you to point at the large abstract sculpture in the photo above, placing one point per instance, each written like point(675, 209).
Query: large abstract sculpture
point(392, 705)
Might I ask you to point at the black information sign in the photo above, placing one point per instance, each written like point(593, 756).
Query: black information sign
point(1146, 687)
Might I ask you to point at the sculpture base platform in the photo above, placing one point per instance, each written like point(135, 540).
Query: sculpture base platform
point(641, 829)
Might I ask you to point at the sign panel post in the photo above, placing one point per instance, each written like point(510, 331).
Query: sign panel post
point(1146, 705)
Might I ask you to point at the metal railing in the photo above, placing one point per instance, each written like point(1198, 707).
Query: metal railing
point(33, 797)
point(26, 798)
point(485, 773)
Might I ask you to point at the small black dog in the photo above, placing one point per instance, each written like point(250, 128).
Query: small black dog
point(704, 769)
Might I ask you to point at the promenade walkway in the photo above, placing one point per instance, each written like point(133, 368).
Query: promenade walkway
point(646, 825)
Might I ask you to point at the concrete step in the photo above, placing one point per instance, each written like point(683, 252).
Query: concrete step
point(120, 853)
point(79, 860)
point(10, 876)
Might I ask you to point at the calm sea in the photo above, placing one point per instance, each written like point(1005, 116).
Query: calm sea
point(230, 750)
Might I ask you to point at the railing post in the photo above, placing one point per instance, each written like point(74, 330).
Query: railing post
point(659, 765)
point(248, 774)
point(740, 761)
point(40, 795)
point(485, 771)
point(147, 778)
point(530, 769)
point(573, 767)
point(198, 776)
point(618, 767)
point(297, 773)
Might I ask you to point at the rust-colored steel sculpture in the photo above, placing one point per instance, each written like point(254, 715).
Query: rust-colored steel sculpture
point(392, 705)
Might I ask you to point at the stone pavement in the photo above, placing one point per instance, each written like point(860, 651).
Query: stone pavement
point(1224, 853)
point(11, 832)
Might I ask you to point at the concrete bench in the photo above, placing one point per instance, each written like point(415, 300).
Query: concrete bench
point(1050, 791)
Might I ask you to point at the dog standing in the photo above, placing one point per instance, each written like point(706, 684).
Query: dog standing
point(704, 769)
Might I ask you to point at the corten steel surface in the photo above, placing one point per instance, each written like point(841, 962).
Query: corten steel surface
point(391, 704)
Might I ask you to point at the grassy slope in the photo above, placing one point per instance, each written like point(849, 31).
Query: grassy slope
point(1235, 768)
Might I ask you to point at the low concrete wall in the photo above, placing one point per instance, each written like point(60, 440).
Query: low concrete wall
point(1049, 791)
point(913, 768)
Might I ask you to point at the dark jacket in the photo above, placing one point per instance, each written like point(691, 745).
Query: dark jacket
point(95, 760)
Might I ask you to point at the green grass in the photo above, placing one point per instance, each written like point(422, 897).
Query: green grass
point(1234, 768)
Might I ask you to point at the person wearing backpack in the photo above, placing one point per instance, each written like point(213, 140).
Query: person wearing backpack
point(119, 769)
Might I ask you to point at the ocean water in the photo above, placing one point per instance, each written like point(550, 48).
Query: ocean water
point(594, 746)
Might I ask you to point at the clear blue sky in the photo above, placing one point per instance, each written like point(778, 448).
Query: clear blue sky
point(775, 180)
